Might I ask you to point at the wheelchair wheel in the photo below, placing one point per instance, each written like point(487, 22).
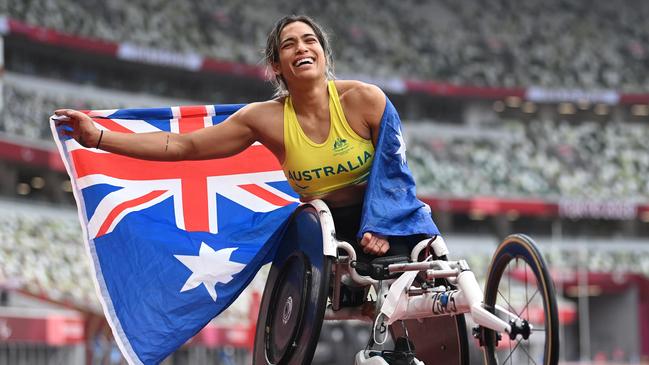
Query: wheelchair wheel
point(295, 297)
point(518, 280)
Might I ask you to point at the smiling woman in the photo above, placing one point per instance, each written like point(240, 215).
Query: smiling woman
point(323, 131)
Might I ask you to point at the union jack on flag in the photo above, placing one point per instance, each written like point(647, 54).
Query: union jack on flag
point(173, 243)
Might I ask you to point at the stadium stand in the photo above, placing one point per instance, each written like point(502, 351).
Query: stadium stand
point(607, 161)
point(41, 253)
point(553, 43)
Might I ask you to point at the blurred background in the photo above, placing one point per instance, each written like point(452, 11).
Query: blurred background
point(520, 116)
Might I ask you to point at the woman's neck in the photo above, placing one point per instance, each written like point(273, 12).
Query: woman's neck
point(310, 98)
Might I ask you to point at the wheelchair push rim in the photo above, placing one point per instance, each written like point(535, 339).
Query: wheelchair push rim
point(294, 300)
point(284, 320)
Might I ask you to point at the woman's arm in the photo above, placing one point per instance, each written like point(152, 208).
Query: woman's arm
point(367, 103)
point(224, 139)
point(374, 99)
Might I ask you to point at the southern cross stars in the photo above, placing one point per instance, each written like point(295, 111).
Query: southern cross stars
point(402, 148)
point(209, 267)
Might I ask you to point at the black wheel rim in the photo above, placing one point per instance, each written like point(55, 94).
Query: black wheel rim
point(284, 319)
point(303, 238)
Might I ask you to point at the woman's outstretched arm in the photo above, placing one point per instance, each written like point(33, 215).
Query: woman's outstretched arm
point(224, 139)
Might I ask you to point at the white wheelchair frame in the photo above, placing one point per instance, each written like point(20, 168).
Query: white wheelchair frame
point(398, 300)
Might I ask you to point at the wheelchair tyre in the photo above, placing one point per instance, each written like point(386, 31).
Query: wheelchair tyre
point(518, 280)
point(295, 297)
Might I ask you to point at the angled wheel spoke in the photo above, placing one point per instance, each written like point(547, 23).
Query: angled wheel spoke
point(529, 357)
point(509, 285)
point(512, 308)
point(511, 351)
point(509, 305)
point(527, 300)
point(527, 304)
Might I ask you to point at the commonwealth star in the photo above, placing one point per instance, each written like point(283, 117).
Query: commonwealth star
point(209, 267)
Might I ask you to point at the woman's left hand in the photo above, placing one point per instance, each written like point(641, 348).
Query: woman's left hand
point(374, 244)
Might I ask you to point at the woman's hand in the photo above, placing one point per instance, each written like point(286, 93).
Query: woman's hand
point(374, 244)
point(77, 125)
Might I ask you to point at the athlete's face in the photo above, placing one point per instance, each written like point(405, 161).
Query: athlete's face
point(300, 53)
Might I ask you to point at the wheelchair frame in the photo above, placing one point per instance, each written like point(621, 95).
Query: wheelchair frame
point(398, 300)
point(466, 299)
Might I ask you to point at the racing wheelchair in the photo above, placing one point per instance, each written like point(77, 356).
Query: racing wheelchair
point(419, 301)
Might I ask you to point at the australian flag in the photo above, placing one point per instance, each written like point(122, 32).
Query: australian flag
point(174, 243)
point(391, 207)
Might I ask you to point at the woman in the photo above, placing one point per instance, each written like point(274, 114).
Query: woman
point(312, 125)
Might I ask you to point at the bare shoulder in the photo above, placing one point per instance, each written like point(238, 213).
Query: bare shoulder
point(361, 97)
point(260, 112)
point(359, 89)
point(265, 120)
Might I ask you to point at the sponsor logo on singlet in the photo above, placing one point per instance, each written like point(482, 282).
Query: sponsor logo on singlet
point(341, 146)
